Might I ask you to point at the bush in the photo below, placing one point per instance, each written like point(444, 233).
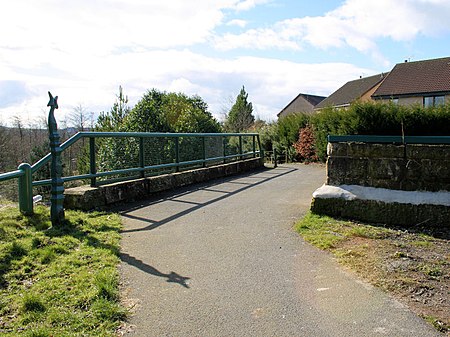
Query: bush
point(360, 119)
point(305, 146)
point(287, 134)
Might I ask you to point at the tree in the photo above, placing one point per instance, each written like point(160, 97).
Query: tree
point(170, 112)
point(115, 153)
point(241, 116)
point(147, 115)
point(80, 118)
point(113, 119)
point(157, 111)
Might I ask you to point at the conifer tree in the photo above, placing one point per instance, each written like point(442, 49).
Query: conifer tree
point(241, 116)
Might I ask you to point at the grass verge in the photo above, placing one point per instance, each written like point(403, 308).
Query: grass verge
point(59, 281)
point(412, 265)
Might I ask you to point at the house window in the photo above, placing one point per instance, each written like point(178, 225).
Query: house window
point(433, 101)
point(439, 100)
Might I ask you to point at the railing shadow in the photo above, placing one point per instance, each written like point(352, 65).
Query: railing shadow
point(260, 177)
point(171, 196)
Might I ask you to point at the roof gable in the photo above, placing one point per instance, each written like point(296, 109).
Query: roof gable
point(351, 91)
point(312, 100)
point(419, 77)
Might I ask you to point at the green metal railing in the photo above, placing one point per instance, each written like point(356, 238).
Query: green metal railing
point(390, 139)
point(247, 145)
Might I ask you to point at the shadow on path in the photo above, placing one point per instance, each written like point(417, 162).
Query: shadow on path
point(196, 206)
point(235, 184)
point(171, 278)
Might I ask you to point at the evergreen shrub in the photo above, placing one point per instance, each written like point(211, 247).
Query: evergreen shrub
point(362, 119)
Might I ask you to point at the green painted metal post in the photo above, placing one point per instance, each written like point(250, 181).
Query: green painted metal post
point(261, 151)
point(141, 156)
point(240, 148)
point(204, 150)
point(57, 185)
point(224, 143)
point(254, 146)
point(92, 163)
point(25, 189)
point(275, 159)
point(177, 153)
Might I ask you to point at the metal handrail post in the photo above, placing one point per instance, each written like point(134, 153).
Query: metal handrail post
point(261, 151)
point(177, 153)
point(254, 146)
point(275, 159)
point(240, 148)
point(204, 150)
point(224, 144)
point(25, 189)
point(142, 156)
point(92, 163)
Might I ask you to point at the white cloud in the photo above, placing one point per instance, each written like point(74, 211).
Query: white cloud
point(245, 5)
point(237, 22)
point(82, 51)
point(271, 83)
point(357, 24)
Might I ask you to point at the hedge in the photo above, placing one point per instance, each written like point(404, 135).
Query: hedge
point(361, 119)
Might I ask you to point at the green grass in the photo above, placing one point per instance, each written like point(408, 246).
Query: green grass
point(326, 233)
point(59, 281)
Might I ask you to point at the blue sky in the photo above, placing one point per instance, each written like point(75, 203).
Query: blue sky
point(84, 50)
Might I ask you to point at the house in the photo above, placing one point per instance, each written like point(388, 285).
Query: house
point(360, 89)
point(301, 103)
point(420, 82)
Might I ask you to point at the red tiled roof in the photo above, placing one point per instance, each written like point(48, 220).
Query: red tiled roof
point(351, 91)
point(420, 77)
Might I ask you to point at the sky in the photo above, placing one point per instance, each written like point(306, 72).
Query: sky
point(83, 50)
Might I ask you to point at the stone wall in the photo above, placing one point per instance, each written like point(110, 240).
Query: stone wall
point(374, 211)
point(401, 167)
point(88, 198)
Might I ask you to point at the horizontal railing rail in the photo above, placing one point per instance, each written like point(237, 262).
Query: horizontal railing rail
point(11, 175)
point(390, 139)
point(25, 172)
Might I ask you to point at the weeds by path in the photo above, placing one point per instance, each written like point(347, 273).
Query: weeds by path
point(411, 264)
point(59, 282)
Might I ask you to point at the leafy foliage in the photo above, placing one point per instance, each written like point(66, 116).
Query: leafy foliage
point(305, 147)
point(362, 119)
point(157, 111)
point(287, 134)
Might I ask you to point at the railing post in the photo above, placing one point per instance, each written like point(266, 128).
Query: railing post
point(92, 166)
point(224, 143)
point(204, 150)
point(25, 190)
point(57, 208)
point(254, 146)
point(275, 158)
point(240, 148)
point(177, 153)
point(261, 151)
point(141, 156)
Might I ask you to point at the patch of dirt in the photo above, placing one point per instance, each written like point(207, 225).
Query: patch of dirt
point(413, 267)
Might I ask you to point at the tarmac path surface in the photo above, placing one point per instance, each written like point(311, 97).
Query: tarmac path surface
point(222, 259)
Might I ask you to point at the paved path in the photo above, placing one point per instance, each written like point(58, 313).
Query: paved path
point(222, 259)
